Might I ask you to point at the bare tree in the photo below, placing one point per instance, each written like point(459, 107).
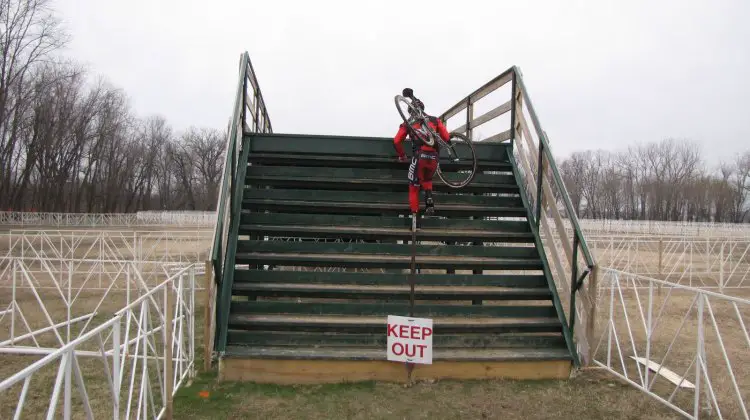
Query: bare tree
point(29, 34)
point(665, 180)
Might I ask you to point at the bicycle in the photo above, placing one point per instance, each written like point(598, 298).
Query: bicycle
point(458, 142)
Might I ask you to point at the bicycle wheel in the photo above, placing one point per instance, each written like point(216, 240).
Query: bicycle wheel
point(400, 99)
point(457, 163)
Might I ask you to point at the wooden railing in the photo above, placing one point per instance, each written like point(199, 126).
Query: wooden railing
point(566, 256)
point(249, 115)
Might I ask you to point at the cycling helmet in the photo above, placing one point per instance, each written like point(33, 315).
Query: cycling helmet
point(409, 93)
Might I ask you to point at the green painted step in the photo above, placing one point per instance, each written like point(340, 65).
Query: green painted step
point(380, 197)
point(353, 232)
point(337, 291)
point(343, 353)
point(369, 227)
point(331, 207)
point(364, 162)
point(363, 179)
point(386, 261)
point(390, 308)
point(377, 324)
point(388, 279)
point(382, 227)
point(388, 250)
point(353, 146)
point(315, 339)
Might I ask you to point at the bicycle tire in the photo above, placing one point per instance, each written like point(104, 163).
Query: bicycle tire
point(460, 184)
point(432, 134)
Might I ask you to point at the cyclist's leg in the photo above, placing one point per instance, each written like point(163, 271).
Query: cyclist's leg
point(414, 184)
point(428, 165)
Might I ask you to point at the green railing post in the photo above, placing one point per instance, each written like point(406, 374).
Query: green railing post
point(573, 282)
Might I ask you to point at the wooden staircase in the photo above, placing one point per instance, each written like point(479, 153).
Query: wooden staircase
point(313, 251)
point(322, 258)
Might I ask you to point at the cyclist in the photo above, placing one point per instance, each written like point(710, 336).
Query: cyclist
point(424, 157)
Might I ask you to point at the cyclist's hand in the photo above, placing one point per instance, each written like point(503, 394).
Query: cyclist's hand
point(403, 159)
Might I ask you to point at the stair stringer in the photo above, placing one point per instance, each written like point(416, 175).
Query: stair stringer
point(227, 281)
point(557, 303)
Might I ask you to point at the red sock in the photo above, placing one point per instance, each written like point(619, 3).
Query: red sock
point(414, 198)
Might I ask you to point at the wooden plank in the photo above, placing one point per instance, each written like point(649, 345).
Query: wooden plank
point(386, 261)
point(358, 175)
point(328, 339)
point(337, 291)
point(358, 353)
point(480, 93)
point(390, 308)
point(398, 197)
point(487, 116)
point(494, 85)
point(296, 339)
point(325, 160)
point(364, 221)
point(373, 233)
point(669, 375)
point(551, 203)
point(350, 146)
point(377, 324)
point(288, 372)
point(367, 184)
point(388, 279)
point(505, 135)
point(310, 339)
point(519, 370)
point(519, 252)
point(332, 207)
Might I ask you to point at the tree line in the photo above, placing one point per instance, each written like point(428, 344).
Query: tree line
point(663, 180)
point(70, 142)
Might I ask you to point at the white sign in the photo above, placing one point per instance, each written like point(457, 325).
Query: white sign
point(409, 339)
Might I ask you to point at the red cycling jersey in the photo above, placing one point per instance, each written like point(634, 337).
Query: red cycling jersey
point(434, 123)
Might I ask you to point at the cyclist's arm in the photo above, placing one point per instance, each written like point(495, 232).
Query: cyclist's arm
point(442, 131)
point(400, 136)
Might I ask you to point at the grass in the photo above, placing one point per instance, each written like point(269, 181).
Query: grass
point(592, 394)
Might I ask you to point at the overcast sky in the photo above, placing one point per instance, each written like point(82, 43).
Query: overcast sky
point(601, 74)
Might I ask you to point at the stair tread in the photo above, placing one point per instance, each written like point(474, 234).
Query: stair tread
point(381, 320)
point(360, 146)
point(459, 354)
point(395, 206)
point(395, 279)
point(391, 288)
point(359, 174)
point(390, 231)
point(359, 161)
point(397, 197)
point(380, 257)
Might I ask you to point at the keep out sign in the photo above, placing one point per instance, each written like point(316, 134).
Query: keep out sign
point(409, 339)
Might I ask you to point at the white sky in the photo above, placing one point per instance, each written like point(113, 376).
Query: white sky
point(601, 74)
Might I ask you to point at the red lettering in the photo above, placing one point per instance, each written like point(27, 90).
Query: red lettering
point(400, 349)
point(421, 348)
point(413, 352)
point(426, 332)
point(403, 330)
point(414, 332)
point(392, 329)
